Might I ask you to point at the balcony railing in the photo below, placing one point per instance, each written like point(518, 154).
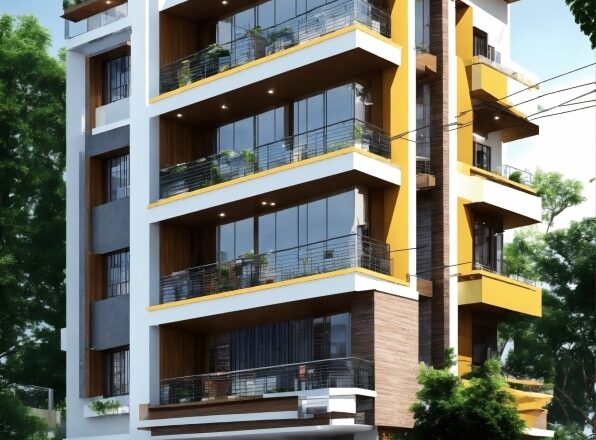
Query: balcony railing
point(229, 165)
point(494, 262)
point(72, 29)
point(259, 43)
point(329, 373)
point(345, 252)
point(515, 174)
point(517, 73)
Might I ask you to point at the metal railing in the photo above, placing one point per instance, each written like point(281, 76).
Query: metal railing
point(229, 165)
point(515, 174)
point(345, 252)
point(73, 29)
point(423, 167)
point(329, 373)
point(496, 263)
point(517, 75)
point(259, 43)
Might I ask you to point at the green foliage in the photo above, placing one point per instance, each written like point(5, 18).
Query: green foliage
point(584, 12)
point(559, 348)
point(104, 407)
point(557, 194)
point(573, 432)
point(450, 409)
point(32, 194)
point(516, 176)
point(16, 422)
point(69, 3)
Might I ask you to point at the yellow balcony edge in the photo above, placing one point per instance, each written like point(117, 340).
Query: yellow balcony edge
point(264, 173)
point(274, 56)
point(468, 170)
point(277, 284)
point(478, 60)
point(497, 277)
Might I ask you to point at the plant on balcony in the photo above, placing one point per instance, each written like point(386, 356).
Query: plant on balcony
point(104, 407)
point(70, 3)
point(184, 393)
point(184, 75)
point(279, 40)
point(361, 139)
point(256, 43)
point(516, 176)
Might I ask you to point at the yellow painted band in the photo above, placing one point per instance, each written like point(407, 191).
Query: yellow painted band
point(469, 170)
point(264, 173)
point(268, 58)
point(277, 284)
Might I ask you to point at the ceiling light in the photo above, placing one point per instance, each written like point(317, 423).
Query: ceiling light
point(272, 204)
point(264, 203)
point(497, 117)
point(271, 91)
point(108, 2)
point(224, 107)
point(222, 214)
point(178, 115)
point(224, 2)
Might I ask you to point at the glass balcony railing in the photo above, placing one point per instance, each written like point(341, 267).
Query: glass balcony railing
point(250, 270)
point(329, 373)
point(116, 13)
point(515, 174)
point(492, 260)
point(229, 165)
point(262, 42)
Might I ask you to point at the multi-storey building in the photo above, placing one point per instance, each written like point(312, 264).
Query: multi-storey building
point(278, 208)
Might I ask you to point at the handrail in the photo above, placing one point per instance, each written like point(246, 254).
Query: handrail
point(258, 43)
point(228, 165)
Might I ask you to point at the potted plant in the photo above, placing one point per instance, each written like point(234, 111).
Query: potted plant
point(516, 177)
point(217, 58)
point(184, 394)
point(278, 40)
point(104, 407)
point(183, 74)
point(256, 43)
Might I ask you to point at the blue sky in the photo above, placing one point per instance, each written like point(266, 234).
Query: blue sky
point(545, 40)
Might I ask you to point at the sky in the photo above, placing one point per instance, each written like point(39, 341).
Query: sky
point(546, 41)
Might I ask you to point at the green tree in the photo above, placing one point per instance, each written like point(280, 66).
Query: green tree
point(584, 12)
point(16, 423)
point(451, 409)
point(32, 195)
point(557, 194)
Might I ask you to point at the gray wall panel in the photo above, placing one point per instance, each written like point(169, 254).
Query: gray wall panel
point(110, 226)
point(110, 323)
point(108, 141)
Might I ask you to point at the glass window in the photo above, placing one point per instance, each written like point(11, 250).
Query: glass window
point(287, 228)
point(339, 336)
point(480, 43)
point(225, 242)
point(266, 14)
point(118, 177)
point(118, 273)
point(118, 373)
point(225, 137)
point(340, 104)
point(243, 22)
point(284, 10)
point(244, 134)
point(315, 117)
point(340, 218)
point(116, 79)
point(224, 31)
point(317, 221)
point(235, 239)
point(244, 237)
point(422, 28)
point(482, 157)
point(310, 4)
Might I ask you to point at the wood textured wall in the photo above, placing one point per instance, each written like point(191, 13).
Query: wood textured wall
point(178, 38)
point(396, 359)
point(175, 248)
point(181, 142)
point(179, 353)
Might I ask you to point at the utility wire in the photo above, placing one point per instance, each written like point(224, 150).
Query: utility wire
point(562, 113)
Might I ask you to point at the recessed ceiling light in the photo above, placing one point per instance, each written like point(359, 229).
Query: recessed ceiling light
point(178, 115)
point(497, 117)
point(222, 214)
point(224, 107)
point(224, 2)
point(271, 91)
point(272, 204)
point(108, 2)
point(264, 203)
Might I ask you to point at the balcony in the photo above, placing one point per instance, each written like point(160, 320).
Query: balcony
point(515, 175)
point(491, 83)
point(260, 43)
point(291, 378)
point(75, 28)
point(350, 251)
point(230, 165)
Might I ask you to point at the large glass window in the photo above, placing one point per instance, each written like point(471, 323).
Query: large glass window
point(482, 156)
point(480, 43)
point(488, 245)
point(118, 177)
point(118, 373)
point(235, 239)
point(283, 342)
point(118, 273)
point(116, 79)
point(422, 30)
point(423, 121)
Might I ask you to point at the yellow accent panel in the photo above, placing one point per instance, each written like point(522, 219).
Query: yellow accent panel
point(278, 284)
point(499, 291)
point(488, 82)
point(396, 118)
point(469, 170)
point(527, 400)
point(464, 364)
point(465, 116)
point(290, 50)
point(264, 173)
point(464, 236)
point(464, 341)
point(464, 32)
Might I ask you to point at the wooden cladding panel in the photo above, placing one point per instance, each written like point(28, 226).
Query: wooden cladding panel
point(212, 408)
point(95, 362)
point(362, 311)
point(94, 291)
point(178, 38)
point(396, 359)
point(96, 182)
point(181, 142)
point(178, 353)
point(174, 248)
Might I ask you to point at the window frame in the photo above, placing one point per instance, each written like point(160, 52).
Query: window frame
point(122, 388)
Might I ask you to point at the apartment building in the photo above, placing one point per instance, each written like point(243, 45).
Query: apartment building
point(276, 209)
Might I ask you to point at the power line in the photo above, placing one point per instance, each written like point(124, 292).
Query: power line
point(561, 104)
point(562, 113)
point(482, 105)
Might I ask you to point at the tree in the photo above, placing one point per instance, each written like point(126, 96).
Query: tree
point(451, 409)
point(32, 195)
point(557, 194)
point(560, 347)
point(15, 421)
point(584, 12)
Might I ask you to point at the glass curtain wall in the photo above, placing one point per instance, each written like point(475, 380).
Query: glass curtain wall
point(422, 30)
point(423, 122)
point(282, 343)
